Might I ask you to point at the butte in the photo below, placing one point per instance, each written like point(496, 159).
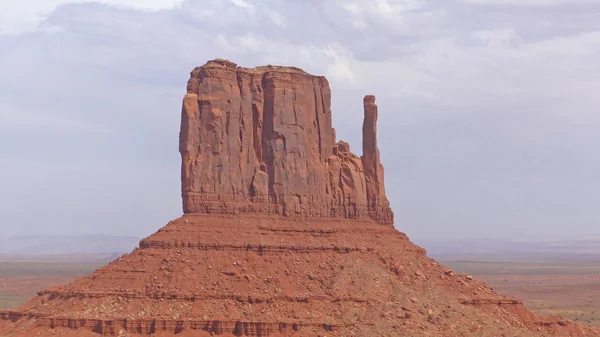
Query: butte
point(285, 232)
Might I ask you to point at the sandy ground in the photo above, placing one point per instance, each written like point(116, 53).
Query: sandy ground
point(568, 289)
point(20, 281)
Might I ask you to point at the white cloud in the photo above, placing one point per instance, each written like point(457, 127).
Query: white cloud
point(42, 122)
point(531, 2)
point(472, 102)
point(19, 16)
point(242, 3)
point(362, 14)
point(339, 69)
point(496, 37)
point(276, 17)
point(381, 7)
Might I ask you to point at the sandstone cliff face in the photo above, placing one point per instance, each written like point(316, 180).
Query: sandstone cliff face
point(261, 140)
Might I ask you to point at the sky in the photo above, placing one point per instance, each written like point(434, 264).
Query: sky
point(488, 109)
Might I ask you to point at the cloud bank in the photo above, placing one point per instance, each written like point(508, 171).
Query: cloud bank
point(488, 109)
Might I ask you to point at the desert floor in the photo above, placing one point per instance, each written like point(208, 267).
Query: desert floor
point(20, 281)
point(569, 288)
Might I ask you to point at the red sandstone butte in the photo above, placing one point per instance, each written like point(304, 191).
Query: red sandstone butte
point(285, 233)
point(261, 141)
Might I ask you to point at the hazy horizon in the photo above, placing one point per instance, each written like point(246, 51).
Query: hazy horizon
point(73, 246)
point(488, 121)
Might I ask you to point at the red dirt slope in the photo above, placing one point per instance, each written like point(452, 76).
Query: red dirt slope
point(272, 276)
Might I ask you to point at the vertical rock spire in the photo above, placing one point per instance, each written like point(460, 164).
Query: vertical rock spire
point(373, 169)
point(370, 158)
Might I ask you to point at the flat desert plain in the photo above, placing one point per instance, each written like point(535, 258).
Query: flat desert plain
point(21, 277)
point(565, 287)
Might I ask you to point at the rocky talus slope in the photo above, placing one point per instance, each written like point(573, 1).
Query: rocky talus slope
point(285, 233)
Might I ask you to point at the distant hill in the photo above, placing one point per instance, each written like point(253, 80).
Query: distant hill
point(64, 245)
point(492, 249)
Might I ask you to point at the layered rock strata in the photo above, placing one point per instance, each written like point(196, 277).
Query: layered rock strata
point(266, 275)
point(261, 141)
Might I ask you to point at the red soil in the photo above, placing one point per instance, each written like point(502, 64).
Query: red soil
point(272, 276)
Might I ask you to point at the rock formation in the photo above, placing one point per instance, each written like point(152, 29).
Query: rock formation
point(261, 141)
point(285, 233)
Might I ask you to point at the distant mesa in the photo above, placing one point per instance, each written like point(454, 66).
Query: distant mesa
point(67, 245)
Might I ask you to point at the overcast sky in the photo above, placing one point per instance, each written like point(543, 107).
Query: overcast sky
point(488, 109)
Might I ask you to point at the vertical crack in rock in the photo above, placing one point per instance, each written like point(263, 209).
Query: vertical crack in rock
point(287, 162)
point(318, 124)
point(268, 132)
point(257, 131)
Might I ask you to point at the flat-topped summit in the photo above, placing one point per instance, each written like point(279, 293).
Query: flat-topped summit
point(221, 63)
point(261, 140)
